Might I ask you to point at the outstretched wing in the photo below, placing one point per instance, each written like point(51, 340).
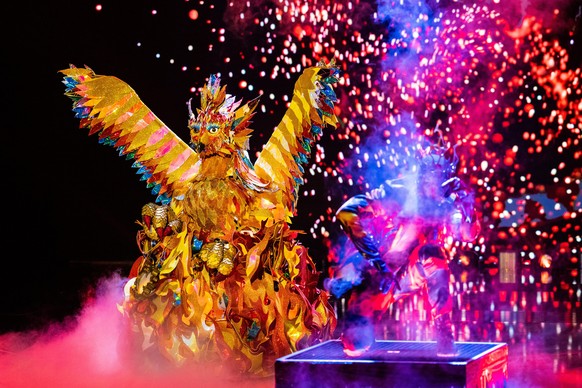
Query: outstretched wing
point(282, 159)
point(111, 109)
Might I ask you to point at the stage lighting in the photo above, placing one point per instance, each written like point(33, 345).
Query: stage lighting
point(545, 261)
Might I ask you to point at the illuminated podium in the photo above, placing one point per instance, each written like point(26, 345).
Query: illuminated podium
point(395, 364)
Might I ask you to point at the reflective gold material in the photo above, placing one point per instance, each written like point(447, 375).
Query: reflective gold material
point(221, 277)
point(218, 254)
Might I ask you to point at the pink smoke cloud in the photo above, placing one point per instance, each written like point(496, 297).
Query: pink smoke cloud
point(87, 350)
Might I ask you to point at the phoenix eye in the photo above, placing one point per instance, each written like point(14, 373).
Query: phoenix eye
point(195, 128)
point(212, 128)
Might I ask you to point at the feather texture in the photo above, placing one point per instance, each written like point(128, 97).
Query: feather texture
point(283, 158)
point(111, 109)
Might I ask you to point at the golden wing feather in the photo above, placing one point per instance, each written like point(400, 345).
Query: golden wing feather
point(282, 159)
point(110, 108)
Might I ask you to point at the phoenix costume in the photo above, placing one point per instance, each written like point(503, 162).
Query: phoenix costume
point(221, 278)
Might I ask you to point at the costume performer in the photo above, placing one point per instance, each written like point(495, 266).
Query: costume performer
point(221, 279)
point(399, 229)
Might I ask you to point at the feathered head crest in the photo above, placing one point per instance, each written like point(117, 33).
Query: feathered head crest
point(216, 106)
point(439, 158)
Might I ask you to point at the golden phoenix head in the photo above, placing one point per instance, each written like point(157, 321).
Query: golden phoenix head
point(220, 125)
